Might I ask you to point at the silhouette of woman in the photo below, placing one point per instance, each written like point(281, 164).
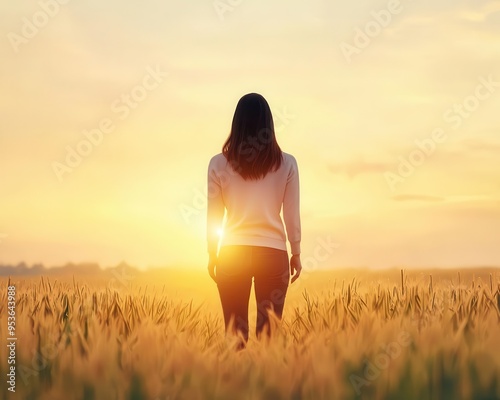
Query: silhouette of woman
point(252, 180)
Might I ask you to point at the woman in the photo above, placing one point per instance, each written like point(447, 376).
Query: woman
point(253, 179)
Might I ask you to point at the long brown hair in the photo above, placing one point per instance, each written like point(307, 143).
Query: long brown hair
point(251, 148)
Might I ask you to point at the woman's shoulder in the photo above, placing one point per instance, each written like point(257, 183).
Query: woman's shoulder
point(217, 159)
point(289, 159)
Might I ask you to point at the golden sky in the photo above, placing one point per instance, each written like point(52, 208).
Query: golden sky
point(390, 108)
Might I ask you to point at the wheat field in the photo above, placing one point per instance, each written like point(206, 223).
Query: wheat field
point(344, 335)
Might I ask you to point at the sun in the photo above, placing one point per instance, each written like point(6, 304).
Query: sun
point(220, 232)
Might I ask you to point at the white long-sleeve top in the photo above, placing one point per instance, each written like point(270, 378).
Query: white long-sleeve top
point(253, 206)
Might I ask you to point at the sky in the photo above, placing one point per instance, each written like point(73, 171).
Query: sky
point(112, 110)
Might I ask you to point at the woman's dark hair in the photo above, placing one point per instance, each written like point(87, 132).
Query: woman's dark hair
point(251, 148)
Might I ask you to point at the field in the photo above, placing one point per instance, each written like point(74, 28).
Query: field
point(344, 335)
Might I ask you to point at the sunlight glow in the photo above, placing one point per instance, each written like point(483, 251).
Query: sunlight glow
point(375, 171)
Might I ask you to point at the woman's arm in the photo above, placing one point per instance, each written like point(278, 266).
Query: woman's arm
point(291, 208)
point(215, 211)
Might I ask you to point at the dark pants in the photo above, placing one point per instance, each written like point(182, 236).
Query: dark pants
point(235, 268)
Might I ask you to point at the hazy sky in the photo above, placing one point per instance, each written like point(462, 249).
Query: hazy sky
point(354, 86)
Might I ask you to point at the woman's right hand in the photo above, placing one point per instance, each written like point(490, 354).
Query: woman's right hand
point(295, 265)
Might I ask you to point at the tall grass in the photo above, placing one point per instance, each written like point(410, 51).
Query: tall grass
point(430, 339)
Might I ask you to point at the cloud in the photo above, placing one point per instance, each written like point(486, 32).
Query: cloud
point(468, 200)
point(355, 168)
point(480, 14)
point(418, 197)
point(481, 145)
